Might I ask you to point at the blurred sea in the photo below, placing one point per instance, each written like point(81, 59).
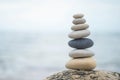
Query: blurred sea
point(35, 55)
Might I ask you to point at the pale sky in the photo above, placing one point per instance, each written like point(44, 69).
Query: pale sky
point(56, 15)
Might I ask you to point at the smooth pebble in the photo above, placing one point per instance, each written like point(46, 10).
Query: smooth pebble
point(80, 15)
point(79, 34)
point(79, 21)
point(81, 43)
point(81, 53)
point(81, 63)
point(79, 27)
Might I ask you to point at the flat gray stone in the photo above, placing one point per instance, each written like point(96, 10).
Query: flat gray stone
point(79, 34)
point(81, 53)
point(81, 43)
point(79, 21)
point(79, 15)
point(79, 27)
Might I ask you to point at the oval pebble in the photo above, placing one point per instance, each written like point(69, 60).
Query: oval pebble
point(80, 15)
point(79, 34)
point(81, 43)
point(81, 53)
point(81, 63)
point(79, 27)
point(79, 21)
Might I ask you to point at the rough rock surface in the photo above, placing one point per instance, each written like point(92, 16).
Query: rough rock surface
point(84, 75)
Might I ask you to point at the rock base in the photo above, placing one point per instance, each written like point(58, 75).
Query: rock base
point(84, 75)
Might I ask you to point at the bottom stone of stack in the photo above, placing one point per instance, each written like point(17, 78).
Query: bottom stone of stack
point(81, 64)
point(84, 75)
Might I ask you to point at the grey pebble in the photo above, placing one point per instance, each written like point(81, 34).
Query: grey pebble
point(79, 27)
point(81, 53)
point(81, 43)
point(79, 21)
point(79, 15)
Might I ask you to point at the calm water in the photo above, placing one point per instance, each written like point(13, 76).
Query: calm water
point(33, 56)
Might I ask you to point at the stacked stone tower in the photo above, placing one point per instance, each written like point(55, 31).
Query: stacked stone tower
point(82, 58)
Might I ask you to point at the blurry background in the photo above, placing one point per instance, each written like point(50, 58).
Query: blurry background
point(33, 35)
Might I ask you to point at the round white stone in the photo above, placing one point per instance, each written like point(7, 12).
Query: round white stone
point(79, 34)
point(82, 53)
point(79, 21)
point(79, 27)
point(80, 15)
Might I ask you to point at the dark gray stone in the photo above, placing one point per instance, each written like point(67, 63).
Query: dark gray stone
point(81, 43)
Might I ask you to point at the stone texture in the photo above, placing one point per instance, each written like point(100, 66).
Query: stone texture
point(80, 15)
point(81, 53)
point(84, 75)
point(79, 34)
point(81, 43)
point(79, 27)
point(81, 63)
point(79, 21)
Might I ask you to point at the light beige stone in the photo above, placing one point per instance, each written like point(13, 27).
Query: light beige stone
point(79, 34)
point(79, 21)
point(81, 53)
point(79, 15)
point(81, 63)
point(79, 27)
